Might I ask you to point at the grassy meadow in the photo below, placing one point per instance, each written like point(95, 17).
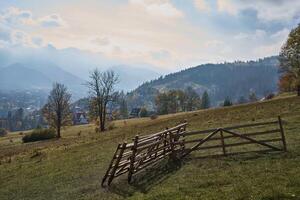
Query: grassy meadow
point(72, 167)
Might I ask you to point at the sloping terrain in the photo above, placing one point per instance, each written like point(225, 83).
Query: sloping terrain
point(72, 167)
point(233, 80)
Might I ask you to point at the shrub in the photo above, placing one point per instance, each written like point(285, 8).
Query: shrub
point(270, 96)
point(3, 132)
point(111, 126)
point(153, 117)
point(39, 134)
point(143, 112)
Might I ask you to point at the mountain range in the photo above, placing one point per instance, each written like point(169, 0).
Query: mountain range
point(32, 69)
point(232, 80)
point(36, 69)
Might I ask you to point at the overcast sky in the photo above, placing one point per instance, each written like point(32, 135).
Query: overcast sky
point(168, 34)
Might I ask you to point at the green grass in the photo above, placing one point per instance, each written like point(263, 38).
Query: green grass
point(72, 167)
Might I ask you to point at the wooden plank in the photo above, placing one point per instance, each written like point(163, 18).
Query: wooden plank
point(170, 129)
point(110, 166)
point(282, 133)
point(229, 128)
point(151, 163)
point(236, 144)
point(223, 142)
point(237, 153)
point(234, 136)
point(116, 163)
point(200, 143)
point(252, 140)
point(140, 148)
point(132, 159)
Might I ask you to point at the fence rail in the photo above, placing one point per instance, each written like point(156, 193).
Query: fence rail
point(177, 142)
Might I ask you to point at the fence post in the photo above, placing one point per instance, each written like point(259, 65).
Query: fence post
point(282, 133)
point(183, 140)
point(132, 158)
point(112, 175)
point(165, 141)
point(223, 142)
point(110, 165)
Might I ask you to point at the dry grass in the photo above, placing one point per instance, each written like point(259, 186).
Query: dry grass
point(71, 168)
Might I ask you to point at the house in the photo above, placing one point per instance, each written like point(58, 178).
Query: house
point(79, 116)
point(4, 119)
point(134, 113)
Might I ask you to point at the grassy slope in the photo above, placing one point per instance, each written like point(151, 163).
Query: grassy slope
point(71, 168)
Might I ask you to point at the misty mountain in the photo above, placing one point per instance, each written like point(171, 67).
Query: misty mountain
point(38, 76)
point(19, 77)
point(69, 64)
point(232, 80)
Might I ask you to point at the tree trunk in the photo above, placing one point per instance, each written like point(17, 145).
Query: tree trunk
point(58, 132)
point(298, 90)
point(102, 121)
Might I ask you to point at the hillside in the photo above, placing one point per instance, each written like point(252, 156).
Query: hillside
point(38, 76)
point(71, 168)
point(232, 80)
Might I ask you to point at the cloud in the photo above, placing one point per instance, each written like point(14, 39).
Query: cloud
point(14, 16)
point(4, 33)
point(202, 5)
point(160, 55)
point(18, 26)
point(53, 20)
point(267, 10)
point(227, 6)
point(162, 8)
point(38, 41)
point(101, 41)
point(20, 38)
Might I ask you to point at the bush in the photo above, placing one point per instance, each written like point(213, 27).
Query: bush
point(39, 134)
point(270, 96)
point(3, 132)
point(143, 112)
point(111, 126)
point(153, 117)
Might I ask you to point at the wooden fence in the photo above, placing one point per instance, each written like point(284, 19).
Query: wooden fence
point(177, 142)
point(142, 152)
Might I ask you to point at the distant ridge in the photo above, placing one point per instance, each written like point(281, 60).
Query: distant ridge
point(220, 80)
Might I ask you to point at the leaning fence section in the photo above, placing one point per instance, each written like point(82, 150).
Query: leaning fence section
point(142, 152)
point(177, 142)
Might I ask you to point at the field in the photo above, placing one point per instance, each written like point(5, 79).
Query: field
point(72, 167)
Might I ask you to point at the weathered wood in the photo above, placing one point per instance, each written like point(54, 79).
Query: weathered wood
point(110, 165)
point(252, 140)
point(200, 143)
point(282, 133)
point(116, 163)
point(223, 142)
point(229, 128)
point(234, 136)
point(148, 150)
point(236, 144)
point(132, 159)
point(162, 132)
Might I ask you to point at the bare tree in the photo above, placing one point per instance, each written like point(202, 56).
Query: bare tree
point(102, 91)
point(57, 110)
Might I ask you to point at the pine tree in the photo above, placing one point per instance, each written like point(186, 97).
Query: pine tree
point(227, 102)
point(205, 101)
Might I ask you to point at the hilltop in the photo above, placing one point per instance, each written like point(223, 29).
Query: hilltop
point(72, 167)
point(233, 80)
